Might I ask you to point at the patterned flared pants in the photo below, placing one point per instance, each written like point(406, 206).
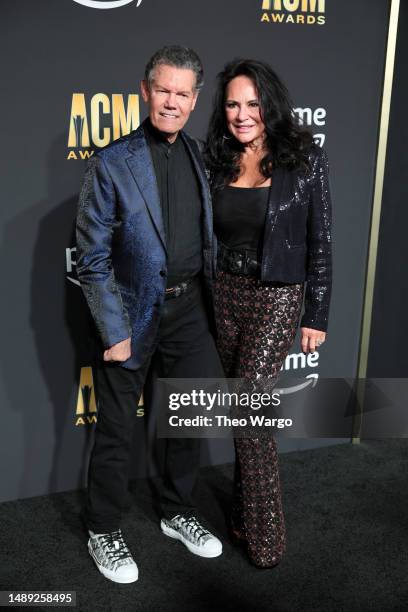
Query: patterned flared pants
point(256, 327)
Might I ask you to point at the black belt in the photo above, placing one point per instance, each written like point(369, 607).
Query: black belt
point(173, 292)
point(237, 262)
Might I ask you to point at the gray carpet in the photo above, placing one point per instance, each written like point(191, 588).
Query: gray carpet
point(346, 511)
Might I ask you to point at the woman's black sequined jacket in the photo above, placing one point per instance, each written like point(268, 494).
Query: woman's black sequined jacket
point(297, 242)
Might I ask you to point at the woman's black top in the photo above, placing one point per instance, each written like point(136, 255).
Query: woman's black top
point(239, 217)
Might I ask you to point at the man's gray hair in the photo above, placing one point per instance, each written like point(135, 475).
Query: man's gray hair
point(179, 57)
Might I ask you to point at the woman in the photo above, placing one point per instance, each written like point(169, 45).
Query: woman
point(272, 220)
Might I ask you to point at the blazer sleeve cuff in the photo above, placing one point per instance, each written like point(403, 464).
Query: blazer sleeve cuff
point(312, 323)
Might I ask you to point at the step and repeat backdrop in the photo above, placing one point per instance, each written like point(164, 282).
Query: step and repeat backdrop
point(71, 83)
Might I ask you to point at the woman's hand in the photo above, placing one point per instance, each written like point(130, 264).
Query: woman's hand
point(311, 339)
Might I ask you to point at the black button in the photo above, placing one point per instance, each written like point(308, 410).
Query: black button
point(163, 272)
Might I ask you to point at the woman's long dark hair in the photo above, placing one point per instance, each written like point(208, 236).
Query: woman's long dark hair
point(287, 143)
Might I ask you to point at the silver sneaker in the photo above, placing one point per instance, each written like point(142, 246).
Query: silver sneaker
point(194, 536)
point(112, 557)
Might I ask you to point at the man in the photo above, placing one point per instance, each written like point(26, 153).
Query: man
point(144, 250)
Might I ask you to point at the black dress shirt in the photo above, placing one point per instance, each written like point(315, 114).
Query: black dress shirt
point(180, 199)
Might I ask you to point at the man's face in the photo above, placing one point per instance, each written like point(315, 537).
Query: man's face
point(171, 97)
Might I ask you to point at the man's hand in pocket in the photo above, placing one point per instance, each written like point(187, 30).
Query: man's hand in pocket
point(118, 352)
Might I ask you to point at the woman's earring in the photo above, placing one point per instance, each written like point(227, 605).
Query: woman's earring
point(226, 137)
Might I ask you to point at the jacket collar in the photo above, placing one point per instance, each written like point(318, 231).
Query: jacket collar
point(140, 164)
point(198, 163)
point(279, 185)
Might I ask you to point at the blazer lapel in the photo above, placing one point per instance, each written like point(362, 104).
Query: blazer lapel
point(276, 194)
point(205, 191)
point(141, 166)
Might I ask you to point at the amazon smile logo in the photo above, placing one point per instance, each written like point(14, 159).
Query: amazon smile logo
point(300, 361)
point(310, 382)
point(106, 4)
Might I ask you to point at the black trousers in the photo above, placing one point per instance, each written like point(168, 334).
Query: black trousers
point(184, 348)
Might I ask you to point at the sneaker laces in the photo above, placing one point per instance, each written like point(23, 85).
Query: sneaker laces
point(115, 548)
point(193, 528)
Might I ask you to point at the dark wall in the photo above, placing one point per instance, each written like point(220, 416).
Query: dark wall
point(53, 49)
point(388, 354)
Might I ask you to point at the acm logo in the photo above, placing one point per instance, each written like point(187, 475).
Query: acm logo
point(305, 6)
point(86, 408)
point(305, 12)
point(86, 402)
point(106, 4)
point(100, 120)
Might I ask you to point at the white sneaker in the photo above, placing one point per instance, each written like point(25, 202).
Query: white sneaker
point(112, 557)
point(194, 536)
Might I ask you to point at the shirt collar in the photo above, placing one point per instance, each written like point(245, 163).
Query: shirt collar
point(156, 136)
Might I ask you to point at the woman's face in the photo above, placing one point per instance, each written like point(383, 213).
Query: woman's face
point(242, 111)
